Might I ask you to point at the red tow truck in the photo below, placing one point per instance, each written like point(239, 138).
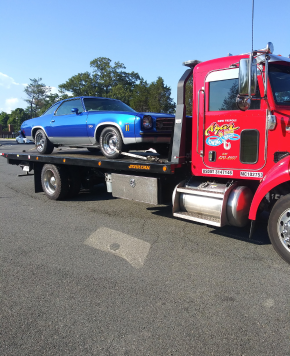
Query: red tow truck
point(226, 164)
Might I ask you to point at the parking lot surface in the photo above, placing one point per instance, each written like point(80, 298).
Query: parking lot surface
point(102, 276)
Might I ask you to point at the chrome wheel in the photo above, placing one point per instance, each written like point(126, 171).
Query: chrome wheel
point(40, 141)
point(49, 182)
point(55, 181)
point(110, 143)
point(283, 229)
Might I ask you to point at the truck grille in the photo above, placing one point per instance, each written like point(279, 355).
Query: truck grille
point(165, 124)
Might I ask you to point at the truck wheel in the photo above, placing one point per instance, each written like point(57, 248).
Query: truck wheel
point(55, 182)
point(110, 142)
point(42, 143)
point(279, 227)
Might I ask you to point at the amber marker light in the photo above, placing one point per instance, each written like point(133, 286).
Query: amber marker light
point(164, 169)
point(37, 158)
point(99, 163)
point(63, 160)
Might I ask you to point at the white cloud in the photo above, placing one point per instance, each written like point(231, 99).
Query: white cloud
point(7, 81)
point(11, 104)
point(11, 94)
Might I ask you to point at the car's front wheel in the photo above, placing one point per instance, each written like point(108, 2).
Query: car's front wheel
point(111, 142)
point(42, 143)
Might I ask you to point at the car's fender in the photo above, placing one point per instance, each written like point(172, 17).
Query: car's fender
point(126, 140)
point(34, 129)
point(276, 175)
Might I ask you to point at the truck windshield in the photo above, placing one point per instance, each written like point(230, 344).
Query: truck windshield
point(280, 82)
point(96, 104)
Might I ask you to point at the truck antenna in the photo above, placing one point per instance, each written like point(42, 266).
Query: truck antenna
point(253, 25)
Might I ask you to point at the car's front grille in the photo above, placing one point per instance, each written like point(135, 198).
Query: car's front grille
point(165, 124)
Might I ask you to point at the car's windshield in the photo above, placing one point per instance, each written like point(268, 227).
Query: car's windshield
point(96, 104)
point(280, 82)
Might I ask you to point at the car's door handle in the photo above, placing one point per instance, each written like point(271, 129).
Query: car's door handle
point(52, 121)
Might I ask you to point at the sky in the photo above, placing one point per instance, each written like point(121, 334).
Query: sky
point(56, 39)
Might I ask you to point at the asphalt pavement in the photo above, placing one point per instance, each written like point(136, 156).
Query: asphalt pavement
point(102, 276)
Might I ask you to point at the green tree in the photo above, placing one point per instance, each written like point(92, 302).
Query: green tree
point(122, 93)
point(49, 101)
point(113, 81)
point(160, 97)
point(107, 76)
point(82, 84)
point(16, 118)
point(189, 96)
point(140, 97)
point(4, 117)
point(37, 93)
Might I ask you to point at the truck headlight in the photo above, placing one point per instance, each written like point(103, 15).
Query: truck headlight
point(147, 122)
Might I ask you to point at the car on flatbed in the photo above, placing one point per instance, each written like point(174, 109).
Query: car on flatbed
point(97, 123)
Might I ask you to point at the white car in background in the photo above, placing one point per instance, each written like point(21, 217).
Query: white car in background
point(20, 139)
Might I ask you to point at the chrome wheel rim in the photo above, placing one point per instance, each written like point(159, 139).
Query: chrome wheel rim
point(50, 182)
point(283, 229)
point(110, 143)
point(39, 141)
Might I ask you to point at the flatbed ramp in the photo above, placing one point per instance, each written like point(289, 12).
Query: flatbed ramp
point(80, 157)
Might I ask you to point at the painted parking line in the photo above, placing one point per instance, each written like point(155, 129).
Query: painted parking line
point(122, 245)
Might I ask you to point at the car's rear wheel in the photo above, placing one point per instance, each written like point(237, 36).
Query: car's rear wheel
point(111, 142)
point(55, 181)
point(42, 143)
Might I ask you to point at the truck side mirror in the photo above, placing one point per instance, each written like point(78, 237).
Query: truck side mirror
point(244, 77)
point(76, 110)
point(247, 82)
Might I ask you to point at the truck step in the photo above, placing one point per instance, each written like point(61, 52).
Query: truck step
point(201, 218)
point(202, 192)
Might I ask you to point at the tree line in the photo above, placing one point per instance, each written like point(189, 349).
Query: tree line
point(106, 79)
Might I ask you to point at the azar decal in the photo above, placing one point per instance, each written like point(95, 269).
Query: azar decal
point(221, 134)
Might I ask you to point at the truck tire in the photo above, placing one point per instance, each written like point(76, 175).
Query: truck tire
point(42, 143)
point(110, 142)
point(279, 227)
point(54, 181)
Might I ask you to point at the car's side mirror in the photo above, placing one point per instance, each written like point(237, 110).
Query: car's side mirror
point(76, 110)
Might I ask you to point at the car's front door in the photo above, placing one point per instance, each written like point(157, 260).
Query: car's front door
point(67, 127)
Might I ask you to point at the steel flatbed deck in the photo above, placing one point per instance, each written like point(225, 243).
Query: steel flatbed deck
point(81, 157)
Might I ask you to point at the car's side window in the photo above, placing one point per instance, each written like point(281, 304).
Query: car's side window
point(65, 108)
point(51, 110)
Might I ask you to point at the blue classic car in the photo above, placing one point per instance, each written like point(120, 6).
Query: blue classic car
point(95, 123)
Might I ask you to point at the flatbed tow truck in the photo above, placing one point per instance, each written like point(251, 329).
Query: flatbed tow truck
point(226, 164)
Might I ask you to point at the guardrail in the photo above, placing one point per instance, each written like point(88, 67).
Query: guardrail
point(8, 135)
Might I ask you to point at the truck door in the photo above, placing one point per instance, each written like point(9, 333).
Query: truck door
point(232, 138)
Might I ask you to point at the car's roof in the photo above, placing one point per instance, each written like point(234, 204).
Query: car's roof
point(84, 97)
